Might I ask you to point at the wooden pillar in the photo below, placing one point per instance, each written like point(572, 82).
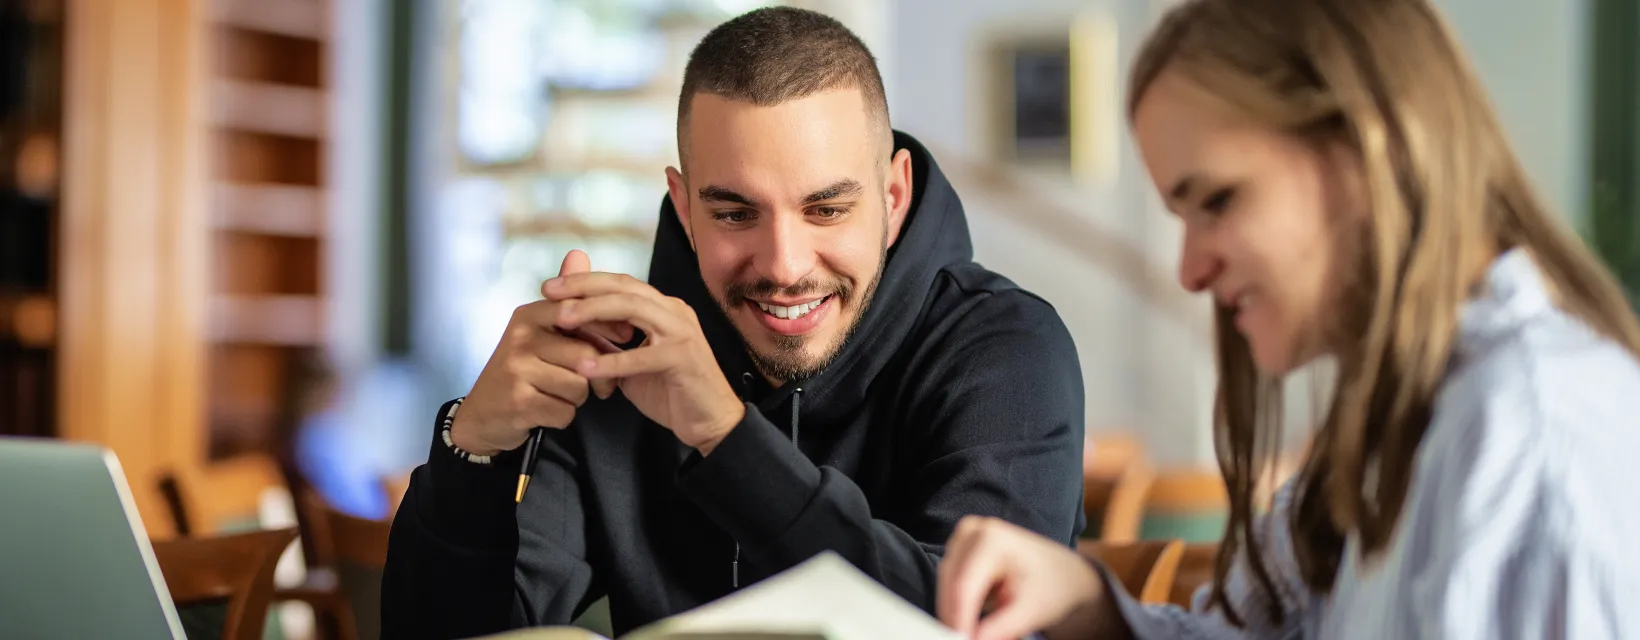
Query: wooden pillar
point(134, 238)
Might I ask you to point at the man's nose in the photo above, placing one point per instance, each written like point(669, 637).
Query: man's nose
point(789, 255)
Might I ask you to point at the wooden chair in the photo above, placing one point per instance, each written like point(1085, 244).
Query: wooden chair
point(1195, 571)
point(1145, 568)
point(1116, 479)
point(234, 493)
point(237, 568)
point(1187, 503)
point(344, 538)
point(342, 543)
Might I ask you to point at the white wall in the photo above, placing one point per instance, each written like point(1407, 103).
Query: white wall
point(1533, 57)
point(1143, 369)
point(354, 168)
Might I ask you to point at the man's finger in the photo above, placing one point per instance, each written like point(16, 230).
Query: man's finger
point(639, 311)
point(553, 380)
point(597, 283)
point(640, 361)
point(604, 387)
point(544, 314)
point(593, 334)
point(576, 261)
point(606, 336)
point(957, 549)
point(549, 411)
point(964, 594)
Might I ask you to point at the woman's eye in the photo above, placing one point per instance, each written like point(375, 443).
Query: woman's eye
point(1218, 201)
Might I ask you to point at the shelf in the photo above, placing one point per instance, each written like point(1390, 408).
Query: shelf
point(30, 320)
point(654, 168)
point(250, 157)
point(269, 209)
point(294, 18)
point(250, 264)
point(564, 225)
point(268, 320)
point(261, 56)
point(262, 107)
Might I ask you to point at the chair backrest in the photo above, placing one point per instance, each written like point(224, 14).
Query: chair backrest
point(342, 538)
point(355, 550)
point(1116, 480)
point(1195, 571)
point(1146, 568)
point(204, 499)
point(358, 540)
point(1188, 503)
point(237, 568)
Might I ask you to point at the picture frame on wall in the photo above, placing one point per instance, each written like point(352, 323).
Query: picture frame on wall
point(1049, 96)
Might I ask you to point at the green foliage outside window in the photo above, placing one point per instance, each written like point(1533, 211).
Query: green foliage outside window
point(1613, 222)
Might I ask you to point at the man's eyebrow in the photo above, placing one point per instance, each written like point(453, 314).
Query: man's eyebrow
point(838, 189)
point(719, 194)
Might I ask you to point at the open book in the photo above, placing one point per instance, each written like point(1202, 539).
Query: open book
point(823, 598)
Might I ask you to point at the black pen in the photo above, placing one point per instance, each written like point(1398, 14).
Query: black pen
point(533, 446)
point(530, 449)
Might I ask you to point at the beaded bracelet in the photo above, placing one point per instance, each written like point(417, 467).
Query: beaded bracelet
point(444, 428)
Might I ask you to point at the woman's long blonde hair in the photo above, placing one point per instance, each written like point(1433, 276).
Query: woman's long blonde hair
point(1446, 192)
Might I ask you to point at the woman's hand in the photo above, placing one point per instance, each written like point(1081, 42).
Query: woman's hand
point(1022, 582)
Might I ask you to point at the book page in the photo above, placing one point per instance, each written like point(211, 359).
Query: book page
point(546, 633)
point(825, 597)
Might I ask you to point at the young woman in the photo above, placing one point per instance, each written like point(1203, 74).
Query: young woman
point(1347, 192)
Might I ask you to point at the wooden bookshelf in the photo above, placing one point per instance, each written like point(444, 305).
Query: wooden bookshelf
point(133, 243)
point(267, 320)
point(268, 117)
point(304, 19)
point(262, 107)
point(30, 134)
point(191, 233)
point(567, 224)
point(268, 209)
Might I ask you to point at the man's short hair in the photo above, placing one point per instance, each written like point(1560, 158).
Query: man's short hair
point(772, 55)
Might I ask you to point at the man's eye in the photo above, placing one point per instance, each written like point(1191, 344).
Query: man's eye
point(831, 212)
point(733, 216)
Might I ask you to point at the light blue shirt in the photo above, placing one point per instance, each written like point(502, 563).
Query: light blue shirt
point(1523, 518)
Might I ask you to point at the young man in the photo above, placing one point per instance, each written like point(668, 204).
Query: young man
point(816, 363)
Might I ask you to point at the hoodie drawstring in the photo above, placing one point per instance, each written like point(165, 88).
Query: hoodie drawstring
point(797, 398)
point(797, 402)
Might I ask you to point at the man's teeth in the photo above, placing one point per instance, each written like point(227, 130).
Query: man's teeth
point(790, 313)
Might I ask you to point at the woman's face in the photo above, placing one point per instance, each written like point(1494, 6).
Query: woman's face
point(1263, 217)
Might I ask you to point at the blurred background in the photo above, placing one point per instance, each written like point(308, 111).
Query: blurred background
point(252, 245)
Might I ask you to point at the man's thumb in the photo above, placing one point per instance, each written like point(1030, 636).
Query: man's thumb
point(576, 261)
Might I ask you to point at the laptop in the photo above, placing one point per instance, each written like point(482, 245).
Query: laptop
point(74, 558)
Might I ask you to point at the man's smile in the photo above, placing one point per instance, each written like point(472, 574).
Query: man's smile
point(792, 317)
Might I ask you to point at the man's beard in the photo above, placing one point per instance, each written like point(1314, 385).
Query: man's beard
point(786, 360)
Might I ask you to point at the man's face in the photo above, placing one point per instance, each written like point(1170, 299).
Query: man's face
point(791, 209)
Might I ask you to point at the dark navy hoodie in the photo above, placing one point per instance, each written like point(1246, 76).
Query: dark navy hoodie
point(959, 393)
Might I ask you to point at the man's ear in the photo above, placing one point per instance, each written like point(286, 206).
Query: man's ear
point(899, 193)
point(678, 190)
